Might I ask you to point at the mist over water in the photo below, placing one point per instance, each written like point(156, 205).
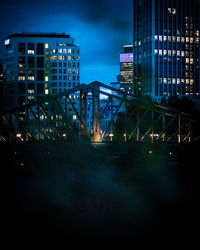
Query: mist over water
point(126, 191)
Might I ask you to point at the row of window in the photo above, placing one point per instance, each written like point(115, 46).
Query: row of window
point(64, 58)
point(64, 64)
point(65, 51)
point(176, 39)
point(176, 81)
point(65, 71)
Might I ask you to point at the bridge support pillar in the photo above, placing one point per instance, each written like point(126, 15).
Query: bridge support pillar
point(96, 115)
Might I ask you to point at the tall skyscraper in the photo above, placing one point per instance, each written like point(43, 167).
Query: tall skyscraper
point(36, 64)
point(166, 48)
point(126, 69)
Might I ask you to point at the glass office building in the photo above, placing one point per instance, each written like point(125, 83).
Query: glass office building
point(166, 48)
point(37, 64)
point(126, 69)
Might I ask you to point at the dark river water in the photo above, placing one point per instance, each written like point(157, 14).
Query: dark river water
point(140, 193)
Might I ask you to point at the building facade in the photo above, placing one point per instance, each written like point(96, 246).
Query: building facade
point(166, 48)
point(37, 64)
point(126, 69)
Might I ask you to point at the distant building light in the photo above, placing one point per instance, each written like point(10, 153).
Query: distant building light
point(18, 135)
point(7, 42)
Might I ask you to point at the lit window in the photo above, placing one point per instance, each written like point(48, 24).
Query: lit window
point(156, 37)
point(178, 53)
point(31, 78)
point(160, 52)
point(196, 40)
point(191, 60)
point(64, 51)
point(191, 81)
point(165, 52)
point(46, 45)
point(182, 53)
point(174, 52)
point(74, 117)
point(170, 10)
point(187, 81)
point(46, 91)
point(191, 39)
point(187, 39)
point(173, 11)
point(69, 51)
point(169, 38)
point(30, 97)
point(54, 58)
point(54, 51)
point(60, 51)
point(21, 78)
point(169, 52)
point(178, 80)
point(178, 39)
point(69, 58)
point(169, 80)
point(165, 38)
point(174, 81)
point(31, 91)
point(30, 52)
point(182, 39)
point(60, 58)
point(46, 78)
point(160, 38)
point(187, 60)
point(165, 80)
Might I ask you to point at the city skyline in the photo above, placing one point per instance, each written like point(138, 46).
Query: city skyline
point(100, 29)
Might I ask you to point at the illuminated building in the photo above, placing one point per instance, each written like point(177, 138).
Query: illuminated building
point(126, 69)
point(37, 64)
point(166, 48)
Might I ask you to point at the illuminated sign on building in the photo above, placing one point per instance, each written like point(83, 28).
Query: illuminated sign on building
point(126, 57)
point(7, 42)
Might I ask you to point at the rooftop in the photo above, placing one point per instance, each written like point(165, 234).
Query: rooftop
point(40, 34)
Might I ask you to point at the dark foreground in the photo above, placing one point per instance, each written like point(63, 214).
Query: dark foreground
point(141, 195)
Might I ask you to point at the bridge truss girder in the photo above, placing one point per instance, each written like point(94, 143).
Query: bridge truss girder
point(50, 106)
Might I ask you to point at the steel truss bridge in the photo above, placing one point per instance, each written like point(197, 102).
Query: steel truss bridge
point(50, 117)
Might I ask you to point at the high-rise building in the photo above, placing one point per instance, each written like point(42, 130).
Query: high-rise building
point(126, 69)
point(166, 48)
point(37, 64)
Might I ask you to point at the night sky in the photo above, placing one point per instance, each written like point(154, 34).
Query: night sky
point(100, 27)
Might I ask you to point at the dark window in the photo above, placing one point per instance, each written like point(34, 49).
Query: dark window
point(40, 88)
point(31, 46)
point(21, 48)
point(40, 48)
point(31, 62)
point(40, 62)
point(22, 100)
point(31, 86)
point(22, 88)
point(40, 75)
point(31, 72)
